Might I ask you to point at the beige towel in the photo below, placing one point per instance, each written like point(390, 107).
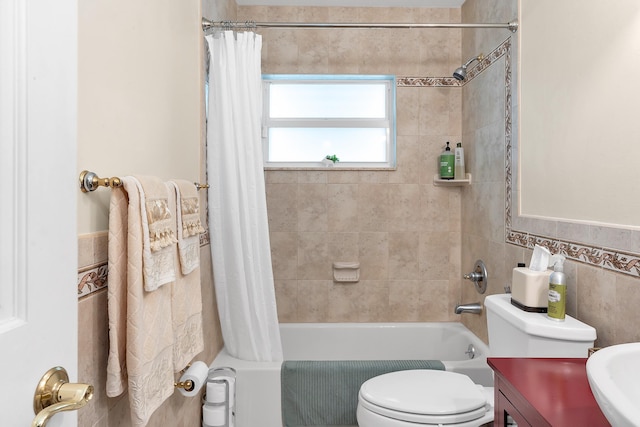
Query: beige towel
point(186, 298)
point(117, 293)
point(189, 226)
point(186, 307)
point(140, 325)
point(158, 232)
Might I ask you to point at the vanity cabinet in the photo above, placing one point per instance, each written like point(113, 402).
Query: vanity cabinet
point(544, 392)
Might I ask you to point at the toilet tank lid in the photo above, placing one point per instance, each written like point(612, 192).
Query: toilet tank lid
point(539, 324)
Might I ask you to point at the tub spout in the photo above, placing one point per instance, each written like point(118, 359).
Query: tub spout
point(474, 308)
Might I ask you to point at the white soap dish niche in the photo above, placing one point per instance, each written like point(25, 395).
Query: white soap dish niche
point(346, 271)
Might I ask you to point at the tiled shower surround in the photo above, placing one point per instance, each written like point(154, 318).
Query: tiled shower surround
point(404, 231)
point(396, 223)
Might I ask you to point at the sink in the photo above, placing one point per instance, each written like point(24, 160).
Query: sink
point(614, 377)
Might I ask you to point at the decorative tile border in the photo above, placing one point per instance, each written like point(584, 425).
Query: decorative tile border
point(493, 56)
point(205, 238)
point(611, 259)
point(427, 82)
point(92, 279)
point(95, 277)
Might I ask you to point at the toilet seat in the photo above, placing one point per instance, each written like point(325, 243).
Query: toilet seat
point(425, 397)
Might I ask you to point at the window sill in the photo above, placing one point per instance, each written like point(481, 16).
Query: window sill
point(328, 169)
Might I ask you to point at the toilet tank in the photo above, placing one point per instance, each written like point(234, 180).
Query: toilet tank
point(517, 333)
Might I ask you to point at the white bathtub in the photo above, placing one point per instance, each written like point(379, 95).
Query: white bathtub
point(258, 383)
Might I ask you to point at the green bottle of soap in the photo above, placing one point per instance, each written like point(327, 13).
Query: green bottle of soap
point(447, 162)
point(557, 307)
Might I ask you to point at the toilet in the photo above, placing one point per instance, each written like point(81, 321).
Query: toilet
point(416, 398)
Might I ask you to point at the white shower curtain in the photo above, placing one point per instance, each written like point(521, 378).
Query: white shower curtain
point(237, 201)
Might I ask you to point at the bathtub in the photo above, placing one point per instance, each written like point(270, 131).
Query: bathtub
point(258, 383)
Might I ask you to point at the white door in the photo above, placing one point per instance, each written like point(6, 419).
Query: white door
point(38, 190)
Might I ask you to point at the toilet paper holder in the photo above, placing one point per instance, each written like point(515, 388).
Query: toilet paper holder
point(186, 385)
point(192, 378)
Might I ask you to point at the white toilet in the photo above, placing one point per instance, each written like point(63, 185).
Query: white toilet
point(440, 398)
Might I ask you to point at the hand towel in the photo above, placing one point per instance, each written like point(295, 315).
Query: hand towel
point(186, 301)
point(159, 232)
point(189, 226)
point(186, 314)
point(117, 293)
point(140, 325)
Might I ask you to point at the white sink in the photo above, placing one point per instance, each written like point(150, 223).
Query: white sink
point(614, 377)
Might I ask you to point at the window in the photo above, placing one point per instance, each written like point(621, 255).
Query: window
point(309, 117)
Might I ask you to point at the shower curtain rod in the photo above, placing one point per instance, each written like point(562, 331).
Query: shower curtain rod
point(230, 25)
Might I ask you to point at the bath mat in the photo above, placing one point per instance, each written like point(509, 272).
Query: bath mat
point(325, 393)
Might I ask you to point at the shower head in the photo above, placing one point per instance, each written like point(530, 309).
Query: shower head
point(461, 72)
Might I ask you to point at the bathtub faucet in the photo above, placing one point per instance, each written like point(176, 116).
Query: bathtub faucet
point(474, 308)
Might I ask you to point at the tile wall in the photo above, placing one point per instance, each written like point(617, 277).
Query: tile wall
point(93, 341)
point(404, 231)
point(605, 299)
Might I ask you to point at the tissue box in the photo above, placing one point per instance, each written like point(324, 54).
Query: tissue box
point(530, 289)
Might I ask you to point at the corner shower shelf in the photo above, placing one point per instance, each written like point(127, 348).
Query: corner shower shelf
point(452, 182)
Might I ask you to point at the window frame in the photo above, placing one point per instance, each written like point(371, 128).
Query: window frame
point(390, 92)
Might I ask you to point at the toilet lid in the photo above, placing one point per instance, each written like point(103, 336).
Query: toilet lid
point(424, 396)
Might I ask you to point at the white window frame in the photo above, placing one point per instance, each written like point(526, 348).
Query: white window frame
point(389, 121)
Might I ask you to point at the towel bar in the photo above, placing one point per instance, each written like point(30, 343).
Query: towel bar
point(89, 181)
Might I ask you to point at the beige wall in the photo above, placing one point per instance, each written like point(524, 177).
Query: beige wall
point(599, 189)
point(606, 300)
point(404, 231)
point(140, 112)
point(139, 94)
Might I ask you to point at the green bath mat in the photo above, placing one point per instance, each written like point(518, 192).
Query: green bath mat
point(325, 393)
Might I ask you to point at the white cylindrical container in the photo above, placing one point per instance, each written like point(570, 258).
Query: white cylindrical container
point(459, 171)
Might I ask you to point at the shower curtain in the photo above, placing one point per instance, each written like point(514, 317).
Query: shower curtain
point(237, 202)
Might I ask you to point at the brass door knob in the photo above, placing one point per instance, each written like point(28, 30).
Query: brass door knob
point(55, 394)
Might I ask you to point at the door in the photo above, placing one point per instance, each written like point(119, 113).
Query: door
point(38, 190)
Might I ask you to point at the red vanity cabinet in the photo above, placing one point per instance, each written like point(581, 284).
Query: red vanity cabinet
point(541, 392)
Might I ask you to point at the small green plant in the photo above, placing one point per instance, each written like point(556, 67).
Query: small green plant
point(333, 158)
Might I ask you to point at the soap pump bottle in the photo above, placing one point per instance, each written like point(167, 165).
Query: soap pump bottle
point(556, 308)
point(459, 162)
point(447, 160)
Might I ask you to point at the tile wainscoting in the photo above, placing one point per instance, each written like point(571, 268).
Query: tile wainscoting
point(93, 340)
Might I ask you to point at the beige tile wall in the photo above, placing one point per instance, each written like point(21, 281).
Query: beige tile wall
point(404, 231)
point(93, 343)
point(606, 300)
